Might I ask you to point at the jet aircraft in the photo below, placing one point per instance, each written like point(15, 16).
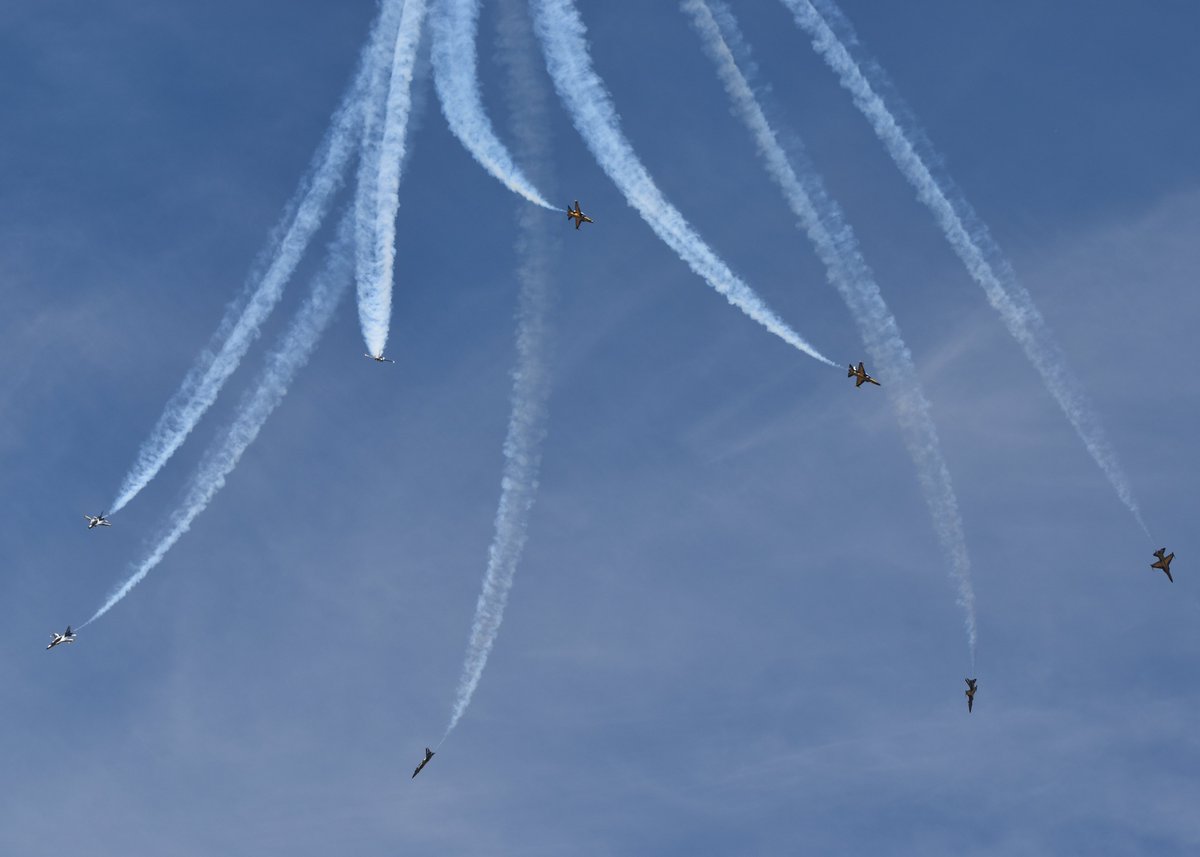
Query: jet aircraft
point(1164, 562)
point(379, 358)
point(67, 636)
point(97, 521)
point(424, 762)
point(971, 694)
point(860, 375)
point(577, 215)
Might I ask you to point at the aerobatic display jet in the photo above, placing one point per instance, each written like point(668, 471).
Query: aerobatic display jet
point(379, 358)
point(1164, 562)
point(577, 215)
point(424, 762)
point(860, 375)
point(971, 693)
point(97, 521)
point(67, 636)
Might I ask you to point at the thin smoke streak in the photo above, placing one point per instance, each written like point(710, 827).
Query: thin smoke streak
point(273, 270)
point(456, 75)
point(531, 375)
point(965, 232)
point(564, 43)
point(847, 270)
point(296, 346)
point(379, 186)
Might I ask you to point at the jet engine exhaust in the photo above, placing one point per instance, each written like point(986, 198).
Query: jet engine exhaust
point(848, 272)
point(564, 45)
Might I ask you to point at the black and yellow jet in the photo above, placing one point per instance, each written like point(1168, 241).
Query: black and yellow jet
point(577, 215)
point(971, 682)
point(424, 762)
point(860, 375)
point(1164, 562)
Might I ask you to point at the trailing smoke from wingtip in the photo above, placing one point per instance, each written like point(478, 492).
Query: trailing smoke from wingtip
point(244, 317)
point(965, 232)
point(384, 151)
point(292, 353)
point(455, 71)
point(564, 44)
point(837, 247)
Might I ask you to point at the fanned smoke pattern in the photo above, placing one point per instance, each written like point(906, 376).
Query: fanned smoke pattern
point(965, 232)
point(847, 270)
point(455, 72)
point(564, 43)
point(243, 319)
point(379, 185)
point(531, 376)
point(292, 353)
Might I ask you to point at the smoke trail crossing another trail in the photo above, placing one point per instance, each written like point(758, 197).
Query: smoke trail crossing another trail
point(965, 232)
point(564, 44)
point(292, 353)
point(243, 319)
point(847, 270)
point(456, 75)
point(379, 186)
point(531, 375)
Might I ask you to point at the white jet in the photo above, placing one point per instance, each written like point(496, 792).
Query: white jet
point(379, 358)
point(67, 636)
point(97, 520)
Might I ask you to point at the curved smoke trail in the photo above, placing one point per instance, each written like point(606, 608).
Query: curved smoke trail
point(531, 375)
point(292, 353)
point(837, 247)
point(379, 186)
point(243, 319)
point(564, 43)
point(455, 72)
point(965, 232)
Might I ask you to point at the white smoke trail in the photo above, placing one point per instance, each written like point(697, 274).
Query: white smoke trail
point(455, 72)
point(531, 375)
point(837, 247)
point(292, 353)
point(965, 232)
point(243, 319)
point(379, 185)
point(564, 43)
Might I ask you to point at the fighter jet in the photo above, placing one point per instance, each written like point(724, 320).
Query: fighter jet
point(971, 693)
point(860, 375)
point(379, 358)
point(67, 636)
point(577, 215)
point(97, 521)
point(424, 762)
point(1164, 562)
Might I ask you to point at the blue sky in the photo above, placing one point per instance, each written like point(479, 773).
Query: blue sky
point(732, 631)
